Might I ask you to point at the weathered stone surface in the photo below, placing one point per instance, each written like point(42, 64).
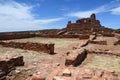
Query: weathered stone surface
point(108, 34)
point(8, 63)
point(100, 51)
point(98, 42)
point(84, 36)
point(46, 48)
point(66, 72)
point(93, 37)
point(76, 57)
point(82, 44)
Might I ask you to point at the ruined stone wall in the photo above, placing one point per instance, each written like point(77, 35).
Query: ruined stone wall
point(108, 34)
point(69, 36)
point(99, 52)
point(58, 36)
point(98, 42)
point(8, 63)
point(10, 36)
point(42, 47)
point(76, 57)
point(85, 25)
point(84, 37)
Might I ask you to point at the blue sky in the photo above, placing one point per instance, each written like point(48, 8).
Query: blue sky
point(22, 15)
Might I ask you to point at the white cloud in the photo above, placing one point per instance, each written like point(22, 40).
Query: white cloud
point(16, 10)
point(17, 16)
point(112, 7)
point(116, 11)
point(80, 14)
point(44, 21)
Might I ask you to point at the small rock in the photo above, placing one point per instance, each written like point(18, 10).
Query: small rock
point(17, 71)
point(67, 72)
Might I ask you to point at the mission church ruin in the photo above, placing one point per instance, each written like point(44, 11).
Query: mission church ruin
point(86, 25)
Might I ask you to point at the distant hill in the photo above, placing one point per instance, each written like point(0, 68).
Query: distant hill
point(44, 30)
point(118, 29)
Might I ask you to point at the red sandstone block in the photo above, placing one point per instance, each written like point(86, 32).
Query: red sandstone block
point(46, 48)
point(8, 63)
point(76, 57)
point(67, 72)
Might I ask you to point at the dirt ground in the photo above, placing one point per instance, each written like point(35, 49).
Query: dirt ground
point(103, 61)
point(42, 61)
point(45, 62)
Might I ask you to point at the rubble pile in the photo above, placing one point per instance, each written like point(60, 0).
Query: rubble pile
point(79, 74)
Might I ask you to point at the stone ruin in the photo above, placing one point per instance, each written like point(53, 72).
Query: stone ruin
point(82, 27)
point(88, 26)
point(76, 57)
point(78, 74)
point(98, 42)
point(8, 63)
point(40, 47)
point(85, 29)
point(16, 35)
